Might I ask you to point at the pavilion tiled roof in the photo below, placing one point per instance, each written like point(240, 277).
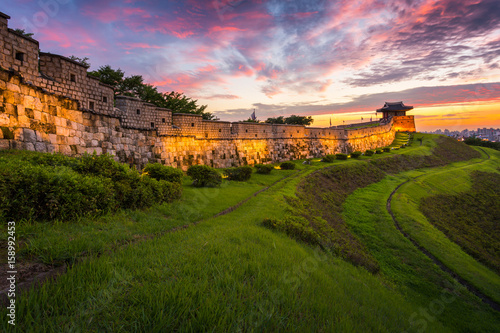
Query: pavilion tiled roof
point(394, 106)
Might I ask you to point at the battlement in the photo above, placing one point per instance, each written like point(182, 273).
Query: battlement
point(50, 103)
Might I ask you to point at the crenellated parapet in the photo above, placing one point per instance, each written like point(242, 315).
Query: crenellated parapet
point(69, 78)
point(49, 103)
point(18, 52)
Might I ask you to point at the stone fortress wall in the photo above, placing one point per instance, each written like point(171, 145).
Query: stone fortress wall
point(49, 103)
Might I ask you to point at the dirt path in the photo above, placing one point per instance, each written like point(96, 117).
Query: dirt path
point(34, 274)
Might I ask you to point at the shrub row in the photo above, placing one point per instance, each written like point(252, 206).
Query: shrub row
point(328, 158)
point(287, 166)
point(356, 154)
point(341, 156)
point(204, 176)
point(242, 173)
point(162, 172)
point(36, 186)
point(264, 168)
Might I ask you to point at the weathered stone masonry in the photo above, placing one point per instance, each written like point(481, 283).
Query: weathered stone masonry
point(62, 109)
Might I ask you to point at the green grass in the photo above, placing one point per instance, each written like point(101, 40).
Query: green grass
point(317, 218)
point(470, 219)
point(59, 242)
point(449, 180)
point(401, 139)
point(226, 274)
point(230, 273)
point(408, 270)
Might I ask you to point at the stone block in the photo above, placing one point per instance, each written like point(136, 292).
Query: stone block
point(29, 135)
point(80, 150)
point(51, 148)
point(62, 140)
point(4, 144)
point(41, 147)
point(13, 87)
point(29, 146)
point(53, 139)
point(65, 149)
point(4, 119)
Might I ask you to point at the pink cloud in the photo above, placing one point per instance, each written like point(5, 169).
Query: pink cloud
point(49, 35)
point(224, 29)
point(136, 11)
point(104, 15)
point(129, 46)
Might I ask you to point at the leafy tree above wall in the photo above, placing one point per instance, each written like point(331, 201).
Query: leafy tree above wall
point(134, 86)
point(292, 120)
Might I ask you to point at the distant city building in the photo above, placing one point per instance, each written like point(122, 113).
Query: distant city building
point(489, 134)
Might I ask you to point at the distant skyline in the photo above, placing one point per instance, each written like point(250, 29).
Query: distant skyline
point(337, 60)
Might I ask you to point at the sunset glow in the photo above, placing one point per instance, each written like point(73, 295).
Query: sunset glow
point(337, 60)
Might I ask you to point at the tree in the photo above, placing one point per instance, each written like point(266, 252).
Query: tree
point(277, 120)
point(83, 61)
point(177, 102)
point(292, 120)
point(24, 33)
point(109, 76)
point(299, 120)
point(134, 86)
point(250, 120)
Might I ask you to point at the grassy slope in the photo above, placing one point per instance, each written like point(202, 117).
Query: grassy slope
point(452, 179)
point(471, 218)
point(412, 272)
point(54, 243)
point(227, 274)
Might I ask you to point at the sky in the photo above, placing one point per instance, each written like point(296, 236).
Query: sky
point(332, 60)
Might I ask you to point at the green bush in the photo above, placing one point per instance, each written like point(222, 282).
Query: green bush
point(150, 191)
point(287, 165)
point(43, 193)
point(473, 141)
point(378, 151)
point(264, 168)
point(341, 156)
point(387, 149)
point(369, 152)
point(204, 176)
point(328, 158)
point(103, 165)
point(242, 173)
point(356, 154)
point(163, 172)
point(40, 186)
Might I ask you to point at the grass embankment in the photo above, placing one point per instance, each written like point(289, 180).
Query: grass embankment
point(323, 193)
point(364, 233)
point(226, 274)
point(231, 274)
point(468, 218)
point(365, 213)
